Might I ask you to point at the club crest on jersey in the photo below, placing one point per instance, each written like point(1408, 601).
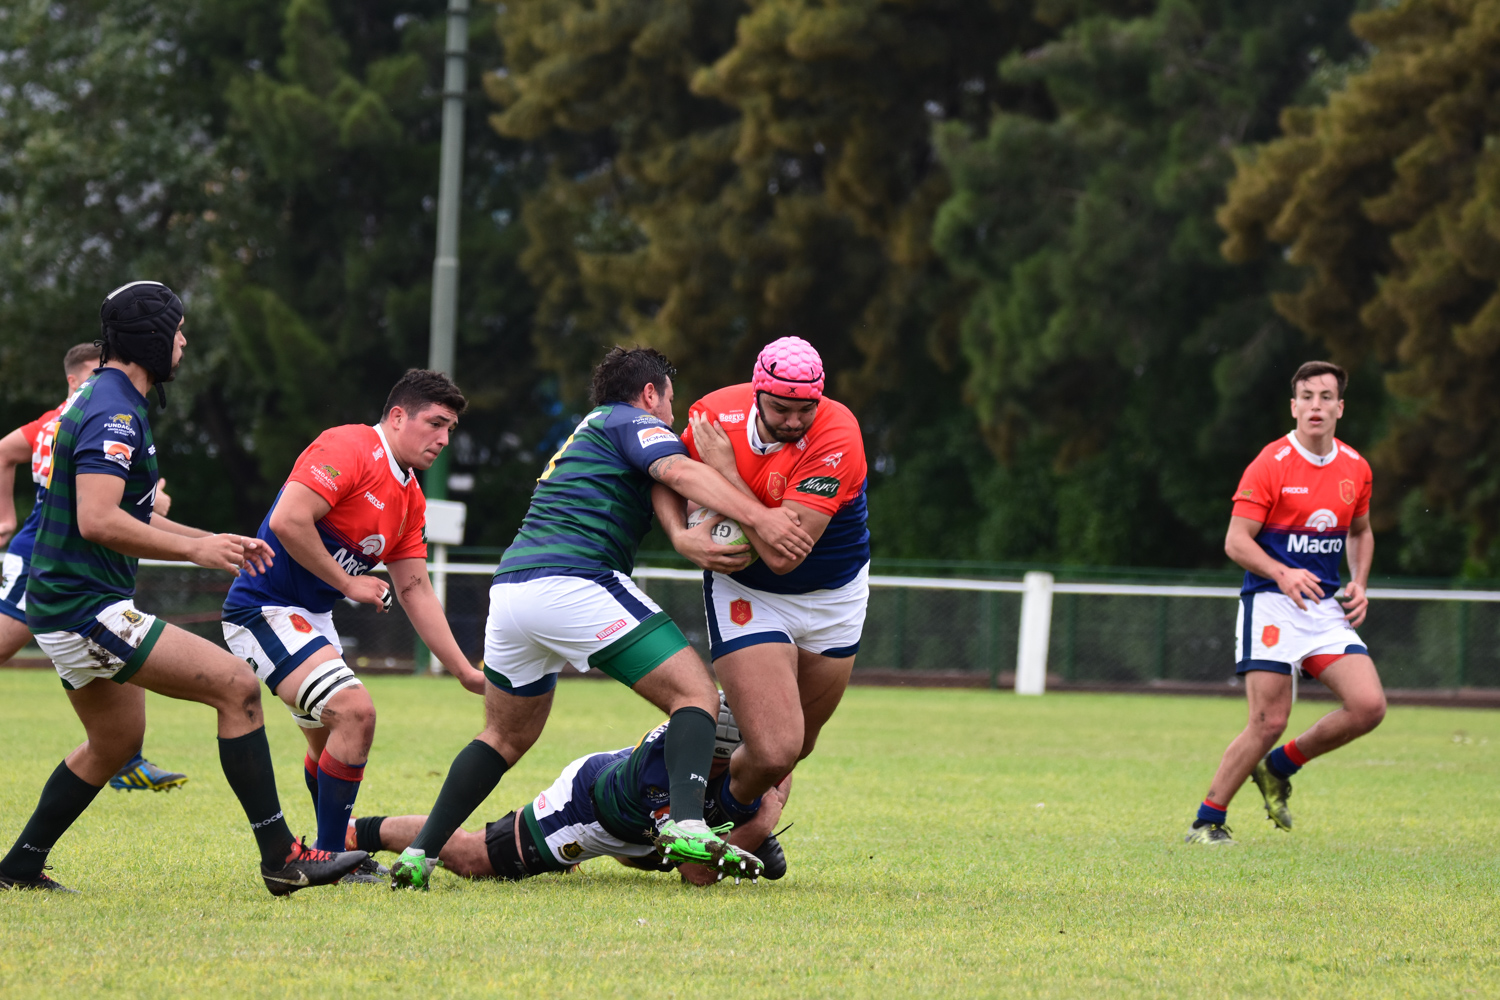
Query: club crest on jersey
point(652, 436)
point(119, 452)
point(776, 485)
point(1346, 490)
point(300, 624)
point(1270, 636)
point(740, 611)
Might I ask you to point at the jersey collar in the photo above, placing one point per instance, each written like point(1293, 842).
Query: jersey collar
point(752, 434)
point(1317, 460)
point(401, 477)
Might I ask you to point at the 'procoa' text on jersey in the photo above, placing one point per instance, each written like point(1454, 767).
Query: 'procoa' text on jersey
point(592, 504)
point(1306, 503)
point(378, 513)
point(39, 436)
point(104, 431)
point(824, 471)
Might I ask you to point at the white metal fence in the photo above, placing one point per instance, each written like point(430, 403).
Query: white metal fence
point(1034, 627)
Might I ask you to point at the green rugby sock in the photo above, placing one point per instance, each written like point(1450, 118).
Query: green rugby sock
point(689, 752)
point(476, 771)
point(247, 766)
point(64, 798)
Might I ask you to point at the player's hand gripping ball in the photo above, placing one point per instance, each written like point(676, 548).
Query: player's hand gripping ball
point(726, 532)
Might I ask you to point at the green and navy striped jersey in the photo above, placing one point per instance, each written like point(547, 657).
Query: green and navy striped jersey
point(592, 504)
point(104, 431)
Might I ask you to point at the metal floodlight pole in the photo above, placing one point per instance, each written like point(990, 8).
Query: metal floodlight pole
point(445, 262)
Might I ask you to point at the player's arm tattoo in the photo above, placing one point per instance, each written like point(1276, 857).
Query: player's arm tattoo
point(658, 469)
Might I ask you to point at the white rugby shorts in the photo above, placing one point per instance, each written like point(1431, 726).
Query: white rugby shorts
point(113, 646)
point(826, 622)
point(276, 640)
point(1273, 634)
point(564, 815)
point(537, 625)
point(13, 573)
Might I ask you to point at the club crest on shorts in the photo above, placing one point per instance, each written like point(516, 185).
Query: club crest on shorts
point(740, 611)
point(1346, 490)
point(776, 484)
point(1270, 636)
point(572, 851)
point(299, 623)
point(133, 617)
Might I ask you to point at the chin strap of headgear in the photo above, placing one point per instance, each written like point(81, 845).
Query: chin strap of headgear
point(139, 322)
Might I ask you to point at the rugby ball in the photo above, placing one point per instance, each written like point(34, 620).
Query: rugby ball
point(726, 532)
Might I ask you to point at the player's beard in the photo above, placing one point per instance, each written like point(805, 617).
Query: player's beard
point(777, 433)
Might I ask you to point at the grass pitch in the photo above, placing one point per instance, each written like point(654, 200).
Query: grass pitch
point(947, 843)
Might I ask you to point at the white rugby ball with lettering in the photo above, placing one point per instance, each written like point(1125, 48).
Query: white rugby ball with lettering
point(726, 532)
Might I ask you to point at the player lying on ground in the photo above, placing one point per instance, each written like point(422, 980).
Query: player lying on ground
point(32, 444)
point(602, 805)
point(96, 522)
point(783, 630)
point(1299, 503)
point(563, 594)
point(351, 500)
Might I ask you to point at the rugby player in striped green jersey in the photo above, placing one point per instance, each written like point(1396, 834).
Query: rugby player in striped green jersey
point(562, 594)
point(96, 522)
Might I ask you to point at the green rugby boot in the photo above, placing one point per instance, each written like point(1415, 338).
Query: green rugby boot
point(1276, 790)
point(413, 870)
point(694, 841)
point(1210, 835)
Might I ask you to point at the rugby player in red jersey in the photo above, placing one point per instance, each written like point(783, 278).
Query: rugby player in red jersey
point(351, 502)
point(32, 444)
point(783, 632)
point(1302, 502)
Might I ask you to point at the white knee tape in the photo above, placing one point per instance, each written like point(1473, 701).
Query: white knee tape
point(326, 680)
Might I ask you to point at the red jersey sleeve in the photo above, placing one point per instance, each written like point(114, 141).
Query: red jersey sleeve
point(832, 469)
point(33, 430)
point(697, 409)
point(1256, 494)
point(329, 467)
point(413, 541)
point(1366, 486)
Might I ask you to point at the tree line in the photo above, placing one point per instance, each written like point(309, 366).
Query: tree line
point(1060, 255)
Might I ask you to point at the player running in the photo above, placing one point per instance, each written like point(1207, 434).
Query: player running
point(32, 444)
point(601, 805)
point(783, 630)
point(1304, 498)
point(562, 594)
point(96, 522)
point(351, 501)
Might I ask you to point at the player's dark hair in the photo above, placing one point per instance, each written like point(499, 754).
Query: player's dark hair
point(1312, 369)
point(420, 387)
point(81, 354)
point(623, 375)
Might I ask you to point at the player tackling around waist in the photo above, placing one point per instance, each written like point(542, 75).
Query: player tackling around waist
point(783, 630)
point(1301, 507)
point(96, 522)
point(562, 594)
point(352, 501)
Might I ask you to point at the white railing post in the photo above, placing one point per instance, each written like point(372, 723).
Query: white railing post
point(1036, 634)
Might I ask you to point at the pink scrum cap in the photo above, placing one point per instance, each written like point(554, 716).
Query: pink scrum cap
point(789, 367)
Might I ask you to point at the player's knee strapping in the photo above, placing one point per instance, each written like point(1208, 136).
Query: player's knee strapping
point(326, 680)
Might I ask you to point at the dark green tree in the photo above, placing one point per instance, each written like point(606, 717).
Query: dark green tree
point(1387, 202)
point(1120, 369)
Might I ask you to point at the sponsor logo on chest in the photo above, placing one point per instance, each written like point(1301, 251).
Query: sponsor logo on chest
point(1320, 521)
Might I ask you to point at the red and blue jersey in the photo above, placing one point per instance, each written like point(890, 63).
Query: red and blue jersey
point(824, 471)
point(378, 514)
point(39, 435)
point(1305, 504)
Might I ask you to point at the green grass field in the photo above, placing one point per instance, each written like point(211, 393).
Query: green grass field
point(947, 843)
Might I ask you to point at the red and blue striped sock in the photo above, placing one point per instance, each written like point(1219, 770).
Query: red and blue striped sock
point(338, 784)
point(1212, 812)
point(1286, 760)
